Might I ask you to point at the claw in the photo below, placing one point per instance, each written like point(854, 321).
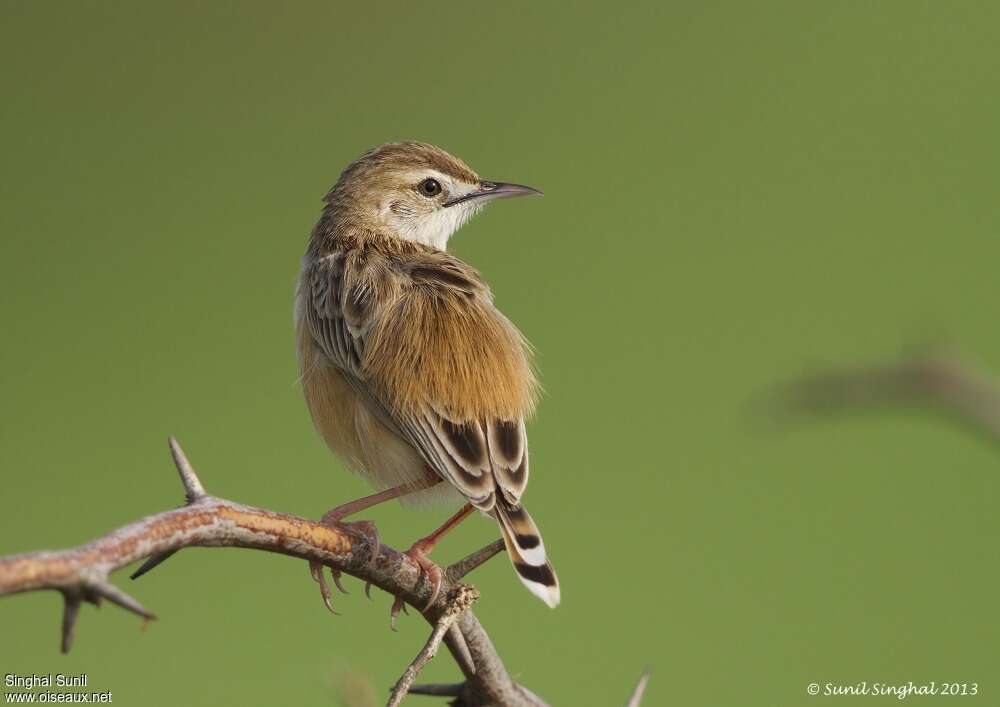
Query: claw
point(397, 604)
point(316, 570)
point(336, 580)
point(365, 528)
point(368, 590)
point(428, 571)
point(434, 577)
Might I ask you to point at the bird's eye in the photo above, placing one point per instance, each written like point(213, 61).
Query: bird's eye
point(429, 187)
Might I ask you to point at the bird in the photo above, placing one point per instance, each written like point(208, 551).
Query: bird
point(411, 374)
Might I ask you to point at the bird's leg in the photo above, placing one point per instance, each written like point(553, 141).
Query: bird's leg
point(333, 518)
point(419, 551)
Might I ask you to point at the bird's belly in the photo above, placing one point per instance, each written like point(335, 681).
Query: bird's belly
point(333, 405)
point(352, 431)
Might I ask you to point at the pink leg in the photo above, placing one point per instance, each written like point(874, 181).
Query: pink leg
point(427, 543)
point(332, 518)
point(342, 511)
point(419, 551)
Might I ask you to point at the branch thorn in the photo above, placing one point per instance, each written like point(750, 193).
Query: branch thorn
point(438, 690)
point(71, 610)
point(117, 596)
point(192, 485)
point(639, 691)
point(152, 562)
point(94, 593)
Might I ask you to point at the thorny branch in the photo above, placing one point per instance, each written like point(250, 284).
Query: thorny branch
point(81, 573)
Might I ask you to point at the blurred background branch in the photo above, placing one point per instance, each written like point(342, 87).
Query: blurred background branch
point(938, 380)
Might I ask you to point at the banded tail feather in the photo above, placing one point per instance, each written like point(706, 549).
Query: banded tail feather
point(527, 551)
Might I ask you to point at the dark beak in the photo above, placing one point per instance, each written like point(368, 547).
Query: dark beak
point(488, 191)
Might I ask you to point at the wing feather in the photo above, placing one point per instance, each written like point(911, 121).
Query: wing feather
point(508, 444)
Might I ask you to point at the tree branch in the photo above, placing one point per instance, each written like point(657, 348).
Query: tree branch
point(462, 598)
point(81, 573)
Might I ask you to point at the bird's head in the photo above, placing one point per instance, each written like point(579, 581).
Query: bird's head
point(414, 191)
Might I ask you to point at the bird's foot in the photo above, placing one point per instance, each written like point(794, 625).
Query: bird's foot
point(363, 527)
point(418, 553)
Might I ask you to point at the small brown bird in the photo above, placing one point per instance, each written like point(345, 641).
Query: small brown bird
point(412, 376)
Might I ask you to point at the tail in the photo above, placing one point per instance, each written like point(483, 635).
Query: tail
point(527, 551)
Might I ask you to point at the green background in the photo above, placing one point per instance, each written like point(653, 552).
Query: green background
point(736, 193)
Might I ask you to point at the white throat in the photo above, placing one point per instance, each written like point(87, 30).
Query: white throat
point(434, 229)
